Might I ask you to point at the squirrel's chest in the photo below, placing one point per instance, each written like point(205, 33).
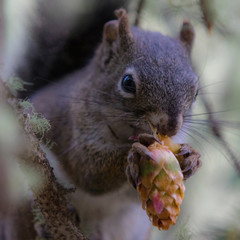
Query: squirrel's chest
point(113, 216)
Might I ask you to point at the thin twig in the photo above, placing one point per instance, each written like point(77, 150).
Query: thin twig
point(216, 129)
point(140, 6)
point(208, 15)
point(1, 30)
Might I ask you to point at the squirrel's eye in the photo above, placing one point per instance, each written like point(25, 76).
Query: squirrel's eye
point(128, 84)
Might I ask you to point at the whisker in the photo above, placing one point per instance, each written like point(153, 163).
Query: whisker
point(220, 123)
point(209, 113)
point(211, 84)
point(209, 93)
point(186, 131)
point(213, 143)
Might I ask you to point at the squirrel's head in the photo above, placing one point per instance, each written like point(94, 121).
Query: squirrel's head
point(146, 75)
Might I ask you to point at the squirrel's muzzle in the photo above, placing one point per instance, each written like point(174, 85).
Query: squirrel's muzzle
point(164, 124)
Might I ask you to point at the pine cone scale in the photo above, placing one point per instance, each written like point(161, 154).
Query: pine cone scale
point(161, 188)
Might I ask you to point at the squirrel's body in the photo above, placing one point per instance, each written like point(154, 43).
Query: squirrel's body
point(116, 215)
point(93, 114)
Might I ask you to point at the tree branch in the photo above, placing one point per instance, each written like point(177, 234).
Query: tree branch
point(140, 6)
point(50, 196)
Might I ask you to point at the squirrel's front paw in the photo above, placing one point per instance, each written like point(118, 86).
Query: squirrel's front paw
point(189, 160)
point(138, 150)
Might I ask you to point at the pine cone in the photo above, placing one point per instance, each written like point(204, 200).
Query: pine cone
point(161, 188)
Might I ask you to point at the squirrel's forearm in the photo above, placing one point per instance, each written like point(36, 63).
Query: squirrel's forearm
point(97, 172)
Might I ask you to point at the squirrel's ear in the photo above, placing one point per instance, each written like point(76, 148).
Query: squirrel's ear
point(125, 35)
point(116, 36)
point(118, 30)
point(187, 35)
point(110, 31)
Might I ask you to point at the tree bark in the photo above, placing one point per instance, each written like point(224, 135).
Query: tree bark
point(49, 196)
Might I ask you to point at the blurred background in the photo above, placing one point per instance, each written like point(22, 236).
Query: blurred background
point(44, 40)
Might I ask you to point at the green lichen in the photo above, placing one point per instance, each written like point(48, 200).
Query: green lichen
point(39, 124)
point(16, 84)
point(37, 215)
point(39, 222)
point(49, 144)
point(26, 105)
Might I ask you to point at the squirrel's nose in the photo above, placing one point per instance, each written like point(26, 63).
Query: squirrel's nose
point(165, 124)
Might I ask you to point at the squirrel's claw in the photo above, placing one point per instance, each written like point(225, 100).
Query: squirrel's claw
point(147, 139)
point(139, 149)
point(142, 150)
point(189, 160)
point(132, 170)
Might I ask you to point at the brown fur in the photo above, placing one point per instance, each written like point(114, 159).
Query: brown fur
point(92, 120)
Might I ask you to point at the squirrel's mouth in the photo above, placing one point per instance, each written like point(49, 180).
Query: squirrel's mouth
point(133, 138)
point(136, 132)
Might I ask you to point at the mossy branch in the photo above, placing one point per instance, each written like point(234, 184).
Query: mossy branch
point(39, 124)
point(50, 196)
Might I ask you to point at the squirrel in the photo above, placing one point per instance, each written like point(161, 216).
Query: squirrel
point(136, 77)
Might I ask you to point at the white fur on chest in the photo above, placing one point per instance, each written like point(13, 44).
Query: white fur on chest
point(114, 216)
